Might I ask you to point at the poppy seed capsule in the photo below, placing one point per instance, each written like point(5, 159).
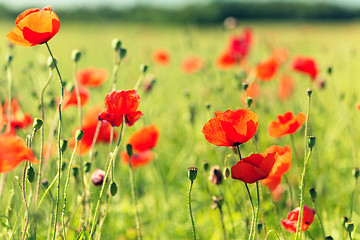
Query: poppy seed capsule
point(215, 175)
point(38, 122)
point(63, 145)
point(113, 188)
point(311, 141)
point(51, 63)
point(313, 194)
point(97, 178)
point(116, 44)
point(249, 101)
point(30, 174)
point(122, 53)
point(192, 173)
point(76, 55)
point(309, 91)
point(79, 135)
point(356, 173)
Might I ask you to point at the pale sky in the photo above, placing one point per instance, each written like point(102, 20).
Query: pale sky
point(61, 4)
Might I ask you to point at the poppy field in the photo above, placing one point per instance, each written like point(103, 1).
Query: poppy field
point(141, 131)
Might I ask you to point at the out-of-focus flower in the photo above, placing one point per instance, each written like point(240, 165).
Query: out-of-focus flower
point(119, 104)
point(18, 119)
point(286, 87)
point(266, 70)
point(286, 124)
point(192, 64)
point(97, 178)
point(13, 151)
point(215, 175)
point(34, 26)
point(291, 221)
point(161, 57)
point(280, 54)
point(305, 65)
point(253, 91)
point(253, 168)
point(70, 98)
point(91, 77)
point(230, 23)
point(231, 128)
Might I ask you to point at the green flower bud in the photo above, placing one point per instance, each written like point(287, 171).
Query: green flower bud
point(259, 227)
point(311, 141)
point(122, 53)
point(143, 68)
point(245, 86)
point(45, 183)
point(87, 167)
point(63, 145)
point(349, 226)
point(38, 122)
point(356, 173)
point(206, 165)
point(9, 59)
point(116, 44)
point(249, 101)
point(329, 238)
point(51, 63)
point(227, 173)
point(79, 135)
point(313, 194)
point(208, 105)
point(129, 150)
point(309, 91)
point(64, 164)
point(192, 173)
point(75, 170)
point(76, 55)
point(329, 70)
point(345, 219)
point(30, 173)
point(113, 188)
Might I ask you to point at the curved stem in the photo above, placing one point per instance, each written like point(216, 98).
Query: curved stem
point(272, 231)
point(47, 190)
point(320, 221)
point(190, 211)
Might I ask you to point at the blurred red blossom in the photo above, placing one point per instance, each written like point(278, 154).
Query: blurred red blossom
point(286, 124)
point(70, 98)
point(305, 65)
point(291, 221)
point(286, 87)
point(192, 64)
point(267, 69)
point(91, 77)
point(18, 119)
point(161, 57)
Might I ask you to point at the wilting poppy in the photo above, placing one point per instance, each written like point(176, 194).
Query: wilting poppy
point(286, 87)
point(253, 168)
point(91, 77)
point(97, 178)
point(34, 26)
point(231, 128)
point(13, 151)
point(290, 223)
point(142, 141)
point(70, 99)
point(18, 119)
point(282, 165)
point(119, 104)
point(266, 70)
point(286, 124)
point(89, 124)
point(215, 175)
point(192, 64)
point(305, 65)
point(161, 57)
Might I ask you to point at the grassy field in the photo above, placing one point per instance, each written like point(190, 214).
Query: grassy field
point(162, 186)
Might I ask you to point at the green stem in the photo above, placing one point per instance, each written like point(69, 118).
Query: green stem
point(352, 200)
point(24, 198)
point(139, 81)
point(59, 137)
point(272, 231)
point(113, 155)
point(9, 77)
point(190, 211)
point(222, 222)
point(320, 221)
point(66, 188)
point(294, 150)
point(47, 190)
point(252, 210)
point(290, 192)
point(132, 181)
point(257, 210)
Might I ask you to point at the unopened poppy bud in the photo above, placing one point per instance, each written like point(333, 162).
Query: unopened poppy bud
point(63, 145)
point(226, 173)
point(206, 165)
point(356, 173)
point(75, 170)
point(69, 86)
point(97, 178)
point(30, 174)
point(345, 219)
point(311, 141)
point(208, 105)
point(45, 182)
point(143, 68)
point(259, 227)
point(64, 164)
point(249, 101)
point(329, 238)
point(313, 194)
point(51, 63)
point(245, 86)
point(129, 150)
point(309, 91)
point(215, 175)
point(116, 44)
point(192, 173)
point(122, 53)
point(329, 70)
point(76, 55)
point(349, 226)
point(87, 167)
point(186, 93)
point(38, 122)
point(79, 134)
point(113, 188)
point(9, 59)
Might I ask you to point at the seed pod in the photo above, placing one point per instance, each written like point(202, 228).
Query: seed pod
point(38, 122)
point(192, 173)
point(63, 145)
point(313, 194)
point(113, 188)
point(30, 173)
point(129, 150)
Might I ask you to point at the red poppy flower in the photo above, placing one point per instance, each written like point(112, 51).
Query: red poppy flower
point(286, 87)
point(192, 64)
point(97, 178)
point(18, 119)
point(239, 46)
point(2, 120)
point(89, 125)
point(282, 165)
point(13, 151)
point(138, 158)
point(34, 26)
point(70, 99)
point(225, 61)
point(306, 65)
point(231, 128)
point(161, 57)
point(119, 104)
point(253, 168)
point(145, 138)
point(266, 70)
point(91, 77)
point(292, 219)
point(287, 124)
